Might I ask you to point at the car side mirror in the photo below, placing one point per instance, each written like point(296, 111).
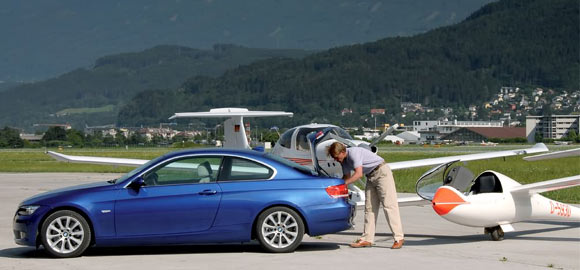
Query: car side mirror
point(137, 183)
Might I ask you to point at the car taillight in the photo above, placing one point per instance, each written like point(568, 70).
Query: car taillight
point(338, 191)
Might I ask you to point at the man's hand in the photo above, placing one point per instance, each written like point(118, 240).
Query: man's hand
point(349, 179)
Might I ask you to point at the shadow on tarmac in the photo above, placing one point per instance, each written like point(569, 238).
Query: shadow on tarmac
point(516, 235)
point(252, 247)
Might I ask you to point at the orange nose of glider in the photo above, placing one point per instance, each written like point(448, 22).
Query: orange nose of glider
point(445, 200)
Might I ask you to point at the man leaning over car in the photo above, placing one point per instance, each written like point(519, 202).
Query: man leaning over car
point(380, 188)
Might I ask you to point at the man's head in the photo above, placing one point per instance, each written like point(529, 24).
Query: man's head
point(337, 151)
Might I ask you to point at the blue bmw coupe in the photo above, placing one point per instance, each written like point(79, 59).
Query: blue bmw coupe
point(186, 197)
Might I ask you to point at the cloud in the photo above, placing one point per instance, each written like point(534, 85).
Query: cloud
point(432, 16)
point(376, 6)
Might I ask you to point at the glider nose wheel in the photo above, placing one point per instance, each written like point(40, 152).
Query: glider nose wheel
point(496, 233)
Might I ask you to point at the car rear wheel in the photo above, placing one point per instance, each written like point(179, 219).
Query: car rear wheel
point(65, 234)
point(280, 229)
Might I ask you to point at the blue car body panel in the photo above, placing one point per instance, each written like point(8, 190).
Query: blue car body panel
point(221, 211)
point(173, 209)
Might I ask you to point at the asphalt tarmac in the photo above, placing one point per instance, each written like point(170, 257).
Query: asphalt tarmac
point(431, 243)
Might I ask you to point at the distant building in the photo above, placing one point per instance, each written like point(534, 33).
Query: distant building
point(31, 137)
point(64, 126)
point(524, 102)
point(551, 126)
point(411, 107)
point(410, 137)
point(433, 130)
point(477, 134)
point(377, 111)
point(394, 139)
point(165, 133)
point(447, 110)
point(104, 129)
point(345, 111)
point(368, 134)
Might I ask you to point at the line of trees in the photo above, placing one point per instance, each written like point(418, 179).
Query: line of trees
point(58, 136)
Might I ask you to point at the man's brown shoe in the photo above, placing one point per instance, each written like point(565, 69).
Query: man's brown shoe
point(361, 243)
point(398, 244)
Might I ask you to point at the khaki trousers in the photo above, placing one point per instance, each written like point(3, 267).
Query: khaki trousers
point(380, 189)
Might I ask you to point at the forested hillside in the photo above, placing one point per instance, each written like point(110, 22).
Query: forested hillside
point(93, 96)
point(510, 42)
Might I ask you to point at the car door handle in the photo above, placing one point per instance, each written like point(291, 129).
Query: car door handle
point(208, 192)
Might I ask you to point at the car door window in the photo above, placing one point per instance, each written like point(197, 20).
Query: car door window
point(184, 171)
point(243, 169)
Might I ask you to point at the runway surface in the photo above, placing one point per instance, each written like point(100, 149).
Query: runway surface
point(431, 243)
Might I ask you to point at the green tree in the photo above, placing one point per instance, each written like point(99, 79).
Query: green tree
point(108, 140)
point(94, 140)
point(10, 137)
point(136, 139)
point(120, 139)
point(271, 136)
point(75, 137)
point(54, 134)
point(572, 135)
point(156, 140)
point(538, 137)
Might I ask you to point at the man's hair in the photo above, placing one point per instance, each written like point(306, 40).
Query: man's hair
point(335, 148)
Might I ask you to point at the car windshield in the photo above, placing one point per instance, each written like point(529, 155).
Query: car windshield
point(291, 164)
point(138, 169)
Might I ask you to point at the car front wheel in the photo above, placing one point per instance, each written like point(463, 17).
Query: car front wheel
point(280, 229)
point(65, 234)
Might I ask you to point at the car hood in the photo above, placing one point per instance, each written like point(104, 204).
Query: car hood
point(43, 198)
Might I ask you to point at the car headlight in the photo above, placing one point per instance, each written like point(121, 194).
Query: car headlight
point(27, 210)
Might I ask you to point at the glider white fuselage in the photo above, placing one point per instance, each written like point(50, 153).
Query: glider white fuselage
point(507, 203)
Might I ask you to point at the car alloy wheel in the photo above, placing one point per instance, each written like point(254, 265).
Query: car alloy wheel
point(280, 229)
point(65, 234)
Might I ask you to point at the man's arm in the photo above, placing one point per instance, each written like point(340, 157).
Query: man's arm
point(349, 179)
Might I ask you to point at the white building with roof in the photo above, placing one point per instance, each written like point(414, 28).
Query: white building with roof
point(551, 126)
point(410, 137)
point(433, 130)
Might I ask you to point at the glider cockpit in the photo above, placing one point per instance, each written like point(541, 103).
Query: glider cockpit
point(454, 175)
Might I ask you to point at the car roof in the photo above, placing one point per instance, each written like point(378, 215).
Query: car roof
point(220, 151)
point(315, 125)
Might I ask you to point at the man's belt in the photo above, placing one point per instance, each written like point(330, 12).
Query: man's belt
point(377, 168)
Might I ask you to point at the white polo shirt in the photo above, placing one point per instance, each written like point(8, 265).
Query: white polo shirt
point(358, 156)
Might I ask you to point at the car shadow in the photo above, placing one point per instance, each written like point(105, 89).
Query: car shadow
point(251, 247)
